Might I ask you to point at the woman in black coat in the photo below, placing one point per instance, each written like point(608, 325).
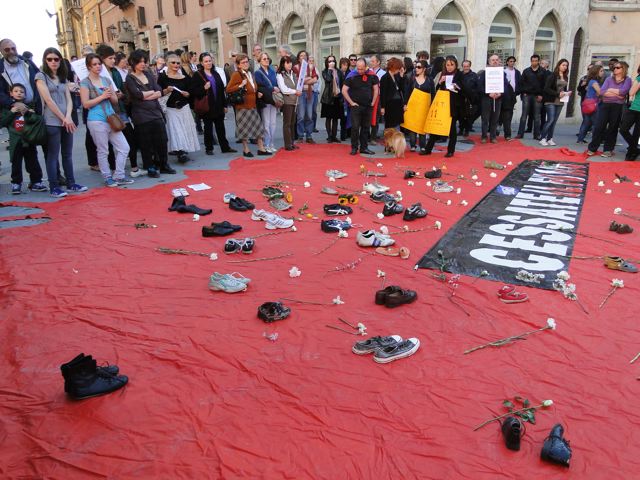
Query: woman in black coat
point(419, 81)
point(332, 102)
point(456, 105)
point(207, 81)
point(392, 94)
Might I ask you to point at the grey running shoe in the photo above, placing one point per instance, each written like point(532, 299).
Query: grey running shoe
point(375, 343)
point(403, 349)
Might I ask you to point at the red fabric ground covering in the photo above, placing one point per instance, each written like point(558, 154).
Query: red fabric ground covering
point(211, 397)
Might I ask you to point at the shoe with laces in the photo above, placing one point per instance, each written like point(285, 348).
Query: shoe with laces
point(276, 221)
point(374, 344)
point(442, 187)
point(334, 225)
point(544, 142)
point(226, 283)
point(16, 188)
point(551, 143)
point(607, 154)
point(232, 246)
point(413, 212)
point(76, 188)
point(374, 187)
point(371, 238)
point(337, 209)
point(280, 204)
point(272, 311)
point(337, 174)
point(234, 276)
point(110, 182)
point(38, 187)
point(247, 245)
point(153, 172)
point(58, 193)
point(392, 208)
point(227, 197)
point(124, 181)
point(382, 197)
point(258, 214)
point(402, 349)
point(137, 173)
point(409, 174)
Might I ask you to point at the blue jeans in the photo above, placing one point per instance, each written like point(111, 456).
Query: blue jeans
point(588, 121)
point(314, 110)
point(59, 140)
point(553, 113)
point(304, 123)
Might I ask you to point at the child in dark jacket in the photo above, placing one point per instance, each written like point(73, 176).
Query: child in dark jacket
point(13, 120)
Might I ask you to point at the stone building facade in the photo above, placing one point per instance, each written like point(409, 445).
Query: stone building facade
point(69, 26)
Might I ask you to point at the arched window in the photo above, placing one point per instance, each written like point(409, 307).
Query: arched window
point(297, 36)
point(269, 41)
point(503, 35)
point(547, 39)
point(449, 34)
point(329, 36)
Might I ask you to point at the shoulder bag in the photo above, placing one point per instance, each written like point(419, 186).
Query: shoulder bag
point(114, 120)
point(589, 106)
point(201, 105)
point(35, 129)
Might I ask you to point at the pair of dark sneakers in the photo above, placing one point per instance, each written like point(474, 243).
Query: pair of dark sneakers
point(239, 245)
point(414, 212)
point(387, 349)
point(83, 378)
point(240, 204)
point(270, 312)
point(555, 448)
point(220, 229)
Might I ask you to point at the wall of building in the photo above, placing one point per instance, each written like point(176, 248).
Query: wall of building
point(91, 23)
point(614, 33)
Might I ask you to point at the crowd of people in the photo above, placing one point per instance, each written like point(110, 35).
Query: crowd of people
point(158, 108)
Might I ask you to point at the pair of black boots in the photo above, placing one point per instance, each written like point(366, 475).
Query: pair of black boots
point(180, 205)
point(555, 448)
point(83, 378)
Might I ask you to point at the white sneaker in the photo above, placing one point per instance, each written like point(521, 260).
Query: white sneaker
point(551, 143)
point(544, 143)
point(374, 187)
point(276, 221)
point(137, 173)
point(272, 149)
point(228, 196)
point(337, 174)
point(371, 238)
point(258, 214)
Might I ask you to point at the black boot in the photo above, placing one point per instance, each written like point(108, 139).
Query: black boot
point(110, 369)
point(83, 378)
point(512, 430)
point(177, 202)
point(556, 449)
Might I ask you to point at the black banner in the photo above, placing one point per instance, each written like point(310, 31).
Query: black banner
point(528, 223)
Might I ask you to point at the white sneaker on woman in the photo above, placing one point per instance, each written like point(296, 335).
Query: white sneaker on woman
point(544, 143)
point(551, 143)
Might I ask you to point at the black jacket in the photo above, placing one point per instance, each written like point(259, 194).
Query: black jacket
point(327, 94)
point(217, 103)
point(550, 93)
point(456, 100)
point(482, 82)
point(391, 92)
point(427, 87)
point(532, 82)
point(470, 81)
point(5, 99)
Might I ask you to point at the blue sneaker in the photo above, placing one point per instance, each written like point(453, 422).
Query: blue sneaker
point(75, 188)
point(16, 188)
point(110, 182)
point(58, 193)
point(153, 172)
point(38, 187)
point(124, 181)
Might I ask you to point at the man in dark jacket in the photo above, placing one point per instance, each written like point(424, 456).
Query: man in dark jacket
point(491, 103)
point(471, 99)
point(510, 96)
point(531, 86)
point(16, 69)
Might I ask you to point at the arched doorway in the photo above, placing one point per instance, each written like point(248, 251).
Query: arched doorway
point(297, 35)
point(449, 34)
point(503, 35)
point(329, 36)
point(546, 42)
point(269, 41)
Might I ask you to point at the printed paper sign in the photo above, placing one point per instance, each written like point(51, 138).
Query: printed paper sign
point(494, 80)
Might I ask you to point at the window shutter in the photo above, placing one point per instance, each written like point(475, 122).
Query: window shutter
point(176, 7)
point(142, 19)
point(160, 12)
point(184, 7)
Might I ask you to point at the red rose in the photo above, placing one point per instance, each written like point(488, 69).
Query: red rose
point(364, 77)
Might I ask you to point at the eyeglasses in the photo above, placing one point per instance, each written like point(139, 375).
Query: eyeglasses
point(53, 59)
point(10, 49)
point(353, 59)
point(174, 63)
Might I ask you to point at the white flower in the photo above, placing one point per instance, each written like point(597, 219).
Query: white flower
point(196, 217)
point(74, 270)
point(213, 257)
point(478, 184)
point(608, 191)
point(410, 183)
point(464, 203)
point(458, 190)
point(617, 211)
point(338, 301)
point(398, 195)
point(348, 220)
point(551, 323)
point(547, 403)
point(384, 230)
point(638, 195)
point(433, 168)
point(307, 184)
point(563, 275)
point(294, 229)
point(343, 234)
point(509, 163)
point(448, 202)
point(381, 274)
point(380, 216)
point(438, 225)
point(294, 272)
point(474, 177)
point(617, 283)
point(616, 180)
point(428, 183)
point(405, 228)
point(331, 179)
point(637, 184)
point(601, 183)
point(418, 174)
point(379, 165)
point(362, 330)
point(493, 174)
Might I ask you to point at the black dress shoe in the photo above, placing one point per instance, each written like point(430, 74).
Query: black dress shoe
point(209, 152)
point(400, 297)
point(226, 224)
point(437, 173)
point(217, 231)
point(263, 153)
point(512, 430)
point(183, 158)
point(381, 295)
point(229, 150)
point(167, 169)
point(366, 151)
point(425, 152)
point(247, 154)
point(556, 449)
point(289, 149)
point(234, 204)
point(448, 155)
point(354, 151)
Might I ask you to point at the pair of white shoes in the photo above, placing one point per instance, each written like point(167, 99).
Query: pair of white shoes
point(371, 238)
point(272, 220)
point(548, 143)
point(178, 192)
point(374, 187)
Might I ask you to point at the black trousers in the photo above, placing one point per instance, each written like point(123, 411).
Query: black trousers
point(630, 119)
point(360, 125)
point(606, 127)
point(152, 142)
point(490, 114)
point(221, 133)
point(506, 117)
point(288, 124)
point(453, 139)
point(30, 156)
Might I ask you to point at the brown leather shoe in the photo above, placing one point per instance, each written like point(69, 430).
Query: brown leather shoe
point(400, 297)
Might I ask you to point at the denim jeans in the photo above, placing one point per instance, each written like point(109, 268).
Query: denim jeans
point(530, 107)
point(588, 122)
point(304, 124)
point(29, 154)
point(59, 141)
point(314, 110)
point(421, 139)
point(553, 113)
point(103, 135)
point(269, 122)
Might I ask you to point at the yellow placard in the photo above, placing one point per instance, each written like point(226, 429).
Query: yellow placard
point(439, 118)
point(417, 110)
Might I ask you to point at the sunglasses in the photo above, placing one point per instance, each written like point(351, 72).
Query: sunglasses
point(418, 67)
point(617, 67)
point(174, 63)
point(353, 59)
point(53, 59)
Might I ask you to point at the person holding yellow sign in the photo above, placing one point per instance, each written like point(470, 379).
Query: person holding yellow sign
point(444, 115)
point(416, 108)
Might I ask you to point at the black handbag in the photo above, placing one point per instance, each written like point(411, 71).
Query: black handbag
point(237, 97)
point(34, 131)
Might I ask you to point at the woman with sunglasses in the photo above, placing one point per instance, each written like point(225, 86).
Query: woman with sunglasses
point(420, 80)
point(181, 128)
point(267, 85)
point(287, 81)
point(99, 98)
point(344, 131)
point(248, 121)
point(613, 93)
point(147, 116)
point(332, 109)
point(52, 86)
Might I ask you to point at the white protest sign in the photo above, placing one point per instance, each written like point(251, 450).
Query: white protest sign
point(494, 80)
point(301, 76)
point(82, 72)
